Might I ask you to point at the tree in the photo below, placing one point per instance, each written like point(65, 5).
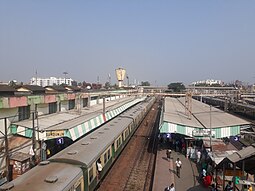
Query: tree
point(176, 87)
point(74, 83)
point(12, 83)
point(107, 85)
point(145, 83)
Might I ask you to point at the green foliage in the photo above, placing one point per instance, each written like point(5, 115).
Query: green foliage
point(145, 83)
point(74, 83)
point(107, 85)
point(12, 83)
point(176, 87)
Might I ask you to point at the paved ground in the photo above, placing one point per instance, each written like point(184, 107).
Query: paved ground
point(165, 173)
point(189, 175)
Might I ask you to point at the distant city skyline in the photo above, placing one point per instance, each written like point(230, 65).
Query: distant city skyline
point(156, 41)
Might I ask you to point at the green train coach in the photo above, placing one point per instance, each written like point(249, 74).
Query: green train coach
point(75, 168)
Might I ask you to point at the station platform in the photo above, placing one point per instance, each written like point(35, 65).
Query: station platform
point(165, 174)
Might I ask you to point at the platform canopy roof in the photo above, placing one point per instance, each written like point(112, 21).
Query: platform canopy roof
point(202, 115)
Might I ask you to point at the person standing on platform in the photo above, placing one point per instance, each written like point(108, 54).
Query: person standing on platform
point(168, 154)
point(178, 165)
point(198, 156)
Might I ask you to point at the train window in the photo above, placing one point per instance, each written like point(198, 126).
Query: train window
point(109, 154)
point(126, 133)
point(91, 175)
point(105, 157)
point(118, 142)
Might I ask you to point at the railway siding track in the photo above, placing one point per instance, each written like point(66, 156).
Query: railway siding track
point(133, 170)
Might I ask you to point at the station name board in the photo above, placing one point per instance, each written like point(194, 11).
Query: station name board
point(203, 133)
point(53, 134)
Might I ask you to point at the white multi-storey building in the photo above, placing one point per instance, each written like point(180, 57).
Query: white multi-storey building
point(50, 81)
point(208, 82)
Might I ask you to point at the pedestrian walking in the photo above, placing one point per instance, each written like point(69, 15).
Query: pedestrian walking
point(178, 165)
point(170, 188)
point(168, 154)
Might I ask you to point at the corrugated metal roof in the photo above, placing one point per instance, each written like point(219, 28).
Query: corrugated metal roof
point(219, 148)
point(33, 87)
point(19, 156)
point(6, 88)
point(247, 155)
point(175, 113)
point(92, 145)
point(243, 154)
point(70, 119)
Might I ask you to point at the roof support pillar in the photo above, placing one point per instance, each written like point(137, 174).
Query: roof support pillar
point(243, 177)
point(234, 178)
point(224, 169)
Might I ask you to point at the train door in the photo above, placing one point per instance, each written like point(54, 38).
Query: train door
point(113, 151)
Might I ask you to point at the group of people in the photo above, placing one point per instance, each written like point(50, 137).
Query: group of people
point(170, 188)
point(229, 187)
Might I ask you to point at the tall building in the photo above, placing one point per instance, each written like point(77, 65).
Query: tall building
point(50, 81)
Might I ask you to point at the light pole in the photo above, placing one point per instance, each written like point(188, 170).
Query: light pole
point(65, 73)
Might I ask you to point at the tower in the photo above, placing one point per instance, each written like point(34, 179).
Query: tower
point(120, 74)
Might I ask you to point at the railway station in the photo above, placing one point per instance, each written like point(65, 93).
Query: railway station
point(99, 134)
point(189, 126)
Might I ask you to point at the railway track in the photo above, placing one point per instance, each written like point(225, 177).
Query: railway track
point(134, 168)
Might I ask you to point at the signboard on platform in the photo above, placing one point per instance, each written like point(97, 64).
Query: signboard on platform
point(203, 133)
point(54, 134)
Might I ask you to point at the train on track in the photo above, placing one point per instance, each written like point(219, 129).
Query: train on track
point(75, 168)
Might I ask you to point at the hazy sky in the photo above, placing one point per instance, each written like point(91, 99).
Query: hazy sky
point(159, 41)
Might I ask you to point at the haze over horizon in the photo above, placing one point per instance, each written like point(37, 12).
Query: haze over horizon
point(156, 41)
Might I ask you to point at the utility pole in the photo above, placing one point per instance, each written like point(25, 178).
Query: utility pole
point(33, 136)
point(6, 148)
point(188, 104)
point(104, 105)
point(210, 127)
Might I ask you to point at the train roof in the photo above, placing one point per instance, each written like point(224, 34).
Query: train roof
point(85, 151)
point(63, 168)
point(42, 177)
